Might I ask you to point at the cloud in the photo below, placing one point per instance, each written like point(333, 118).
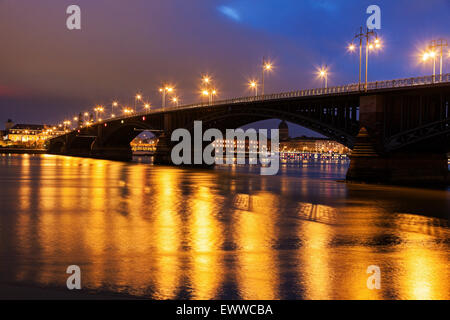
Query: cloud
point(324, 5)
point(229, 12)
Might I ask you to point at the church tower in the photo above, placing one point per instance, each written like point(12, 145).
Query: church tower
point(284, 131)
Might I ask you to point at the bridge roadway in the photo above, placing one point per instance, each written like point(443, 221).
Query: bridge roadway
point(398, 129)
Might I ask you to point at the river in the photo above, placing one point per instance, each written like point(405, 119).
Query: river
point(157, 232)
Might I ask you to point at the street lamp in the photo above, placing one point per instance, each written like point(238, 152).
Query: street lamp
point(254, 86)
point(114, 104)
point(436, 45)
point(175, 101)
point(210, 94)
point(98, 110)
point(66, 124)
point(266, 66)
point(209, 90)
point(368, 35)
point(147, 107)
point(127, 111)
point(431, 55)
point(138, 97)
point(323, 73)
point(206, 80)
point(165, 90)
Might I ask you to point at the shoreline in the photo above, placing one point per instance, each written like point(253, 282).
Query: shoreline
point(17, 291)
point(22, 151)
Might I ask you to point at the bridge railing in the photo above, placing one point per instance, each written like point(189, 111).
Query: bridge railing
point(348, 88)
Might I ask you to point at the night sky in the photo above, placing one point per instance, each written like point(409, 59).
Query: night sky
point(48, 73)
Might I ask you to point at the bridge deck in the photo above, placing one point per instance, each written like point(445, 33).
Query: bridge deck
point(372, 87)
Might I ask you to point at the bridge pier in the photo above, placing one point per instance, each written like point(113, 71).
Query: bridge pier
point(406, 168)
point(366, 165)
point(163, 150)
point(369, 162)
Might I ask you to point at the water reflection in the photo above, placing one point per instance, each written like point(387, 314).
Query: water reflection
point(167, 233)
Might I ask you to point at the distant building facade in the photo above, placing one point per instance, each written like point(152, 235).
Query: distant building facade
point(28, 135)
point(313, 145)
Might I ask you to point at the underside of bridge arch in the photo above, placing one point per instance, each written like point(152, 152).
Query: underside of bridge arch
point(113, 141)
point(237, 118)
point(122, 135)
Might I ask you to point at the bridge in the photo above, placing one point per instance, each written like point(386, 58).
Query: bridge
point(398, 130)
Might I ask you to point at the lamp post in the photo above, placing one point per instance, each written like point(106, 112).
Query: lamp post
point(209, 94)
point(127, 111)
point(266, 66)
point(175, 100)
point(323, 73)
point(435, 47)
point(367, 35)
point(432, 55)
point(254, 86)
point(114, 104)
point(165, 90)
point(209, 91)
point(138, 97)
point(97, 110)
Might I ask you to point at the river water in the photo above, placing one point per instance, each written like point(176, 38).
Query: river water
point(224, 233)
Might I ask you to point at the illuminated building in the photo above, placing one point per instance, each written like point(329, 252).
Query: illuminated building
point(313, 145)
point(29, 135)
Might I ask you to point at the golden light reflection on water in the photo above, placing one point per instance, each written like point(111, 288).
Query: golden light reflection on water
point(315, 258)
point(166, 228)
point(165, 233)
point(205, 241)
point(256, 259)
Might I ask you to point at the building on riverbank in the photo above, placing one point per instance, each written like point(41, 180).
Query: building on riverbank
point(313, 145)
point(28, 135)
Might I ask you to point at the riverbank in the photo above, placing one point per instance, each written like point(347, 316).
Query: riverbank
point(30, 292)
point(22, 151)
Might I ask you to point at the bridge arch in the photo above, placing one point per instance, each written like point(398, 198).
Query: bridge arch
point(226, 119)
point(123, 134)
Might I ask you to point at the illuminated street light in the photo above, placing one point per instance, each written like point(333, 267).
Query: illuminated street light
point(206, 79)
point(368, 35)
point(165, 90)
point(431, 55)
point(98, 109)
point(175, 101)
point(113, 105)
point(435, 47)
point(254, 86)
point(147, 107)
point(210, 94)
point(266, 67)
point(66, 123)
point(209, 90)
point(138, 97)
point(127, 111)
point(323, 73)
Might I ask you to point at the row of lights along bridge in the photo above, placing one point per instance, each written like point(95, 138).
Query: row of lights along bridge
point(367, 39)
